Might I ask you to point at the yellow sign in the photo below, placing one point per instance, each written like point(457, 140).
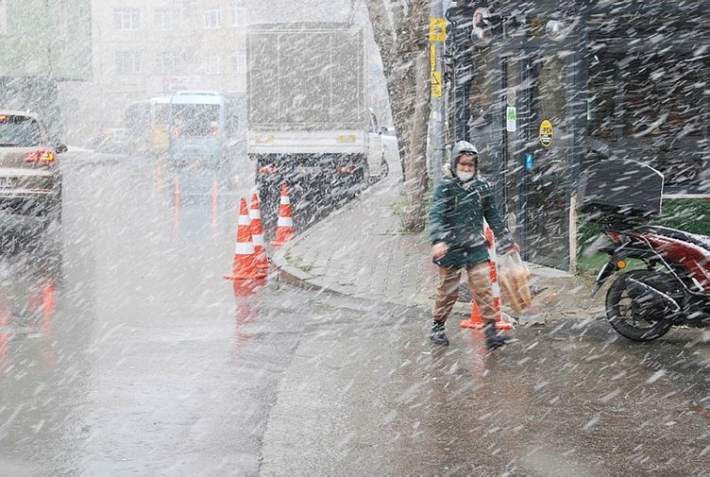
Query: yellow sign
point(432, 57)
point(436, 84)
point(437, 29)
point(264, 139)
point(546, 133)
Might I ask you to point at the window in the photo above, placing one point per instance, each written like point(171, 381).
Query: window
point(239, 63)
point(168, 62)
point(212, 18)
point(19, 131)
point(128, 62)
point(126, 18)
point(3, 17)
point(239, 16)
point(212, 65)
point(195, 119)
point(652, 105)
point(164, 19)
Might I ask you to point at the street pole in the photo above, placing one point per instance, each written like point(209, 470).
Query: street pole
point(437, 36)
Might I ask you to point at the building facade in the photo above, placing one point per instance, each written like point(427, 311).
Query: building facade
point(149, 48)
point(106, 54)
point(545, 87)
point(47, 39)
point(43, 45)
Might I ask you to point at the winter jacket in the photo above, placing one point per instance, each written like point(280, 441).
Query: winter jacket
point(456, 218)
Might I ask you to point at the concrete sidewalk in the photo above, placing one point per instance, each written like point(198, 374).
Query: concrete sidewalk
point(361, 251)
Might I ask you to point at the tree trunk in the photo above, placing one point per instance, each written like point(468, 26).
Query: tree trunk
point(404, 51)
point(416, 182)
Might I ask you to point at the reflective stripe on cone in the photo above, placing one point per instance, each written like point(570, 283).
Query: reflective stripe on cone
point(476, 321)
point(244, 257)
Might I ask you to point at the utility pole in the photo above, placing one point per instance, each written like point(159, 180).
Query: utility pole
point(437, 37)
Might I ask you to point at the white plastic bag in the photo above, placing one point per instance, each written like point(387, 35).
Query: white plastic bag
point(513, 276)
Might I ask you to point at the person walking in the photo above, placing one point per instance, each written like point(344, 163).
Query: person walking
point(460, 203)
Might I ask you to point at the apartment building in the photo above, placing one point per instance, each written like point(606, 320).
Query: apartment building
point(43, 45)
point(45, 39)
point(108, 53)
point(147, 48)
point(158, 46)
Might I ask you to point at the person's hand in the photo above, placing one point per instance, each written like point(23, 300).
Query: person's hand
point(438, 250)
point(513, 249)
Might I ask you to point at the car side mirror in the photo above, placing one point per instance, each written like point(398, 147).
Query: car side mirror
point(60, 148)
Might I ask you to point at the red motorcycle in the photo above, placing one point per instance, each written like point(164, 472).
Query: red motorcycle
point(666, 272)
point(673, 287)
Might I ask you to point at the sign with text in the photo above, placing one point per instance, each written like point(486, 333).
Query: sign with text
point(546, 133)
point(437, 29)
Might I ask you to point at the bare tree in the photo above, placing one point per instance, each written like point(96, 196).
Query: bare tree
point(403, 44)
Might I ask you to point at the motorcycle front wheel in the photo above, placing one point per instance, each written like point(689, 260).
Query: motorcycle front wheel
point(633, 316)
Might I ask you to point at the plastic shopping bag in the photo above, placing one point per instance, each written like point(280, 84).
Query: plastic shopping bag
point(513, 276)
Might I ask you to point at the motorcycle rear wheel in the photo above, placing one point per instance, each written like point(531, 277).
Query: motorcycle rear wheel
point(628, 317)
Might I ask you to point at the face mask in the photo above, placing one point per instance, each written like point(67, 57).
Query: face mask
point(465, 176)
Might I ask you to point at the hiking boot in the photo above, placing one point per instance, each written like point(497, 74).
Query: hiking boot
point(493, 339)
point(437, 334)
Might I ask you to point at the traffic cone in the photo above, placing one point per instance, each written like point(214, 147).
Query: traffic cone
point(257, 235)
point(475, 321)
point(244, 257)
point(284, 226)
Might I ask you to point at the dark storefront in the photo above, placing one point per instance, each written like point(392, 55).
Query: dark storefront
point(544, 87)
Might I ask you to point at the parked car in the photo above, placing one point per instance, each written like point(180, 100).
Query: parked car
point(30, 179)
point(112, 141)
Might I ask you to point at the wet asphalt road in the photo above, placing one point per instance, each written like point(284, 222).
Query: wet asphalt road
point(132, 356)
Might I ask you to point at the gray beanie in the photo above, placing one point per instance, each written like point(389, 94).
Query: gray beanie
point(459, 148)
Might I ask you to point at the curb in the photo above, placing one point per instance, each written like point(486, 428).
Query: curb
point(294, 276)
point(286, 273)
point(541, 314)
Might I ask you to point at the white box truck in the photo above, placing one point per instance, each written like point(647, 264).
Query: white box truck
point(309, 118)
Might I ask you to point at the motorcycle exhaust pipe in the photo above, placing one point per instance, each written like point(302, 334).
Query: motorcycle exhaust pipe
point(669, 302)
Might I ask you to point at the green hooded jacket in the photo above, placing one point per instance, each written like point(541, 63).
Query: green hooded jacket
point(456, 218)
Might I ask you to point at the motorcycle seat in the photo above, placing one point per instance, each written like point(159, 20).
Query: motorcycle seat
point(699, 240)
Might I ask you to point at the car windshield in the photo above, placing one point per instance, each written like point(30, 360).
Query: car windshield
point(19, 131)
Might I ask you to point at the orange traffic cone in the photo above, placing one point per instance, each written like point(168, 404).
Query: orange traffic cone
point(284, 226)
point(475, 321)
point(244, 257)
point(257, 235)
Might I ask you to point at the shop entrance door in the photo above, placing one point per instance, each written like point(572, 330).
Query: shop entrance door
point(538, 82)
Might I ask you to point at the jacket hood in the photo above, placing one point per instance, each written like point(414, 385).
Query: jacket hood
point(459, 148)
point(448, 173)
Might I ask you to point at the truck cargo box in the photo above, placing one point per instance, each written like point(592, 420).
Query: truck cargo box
point(306, 77)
